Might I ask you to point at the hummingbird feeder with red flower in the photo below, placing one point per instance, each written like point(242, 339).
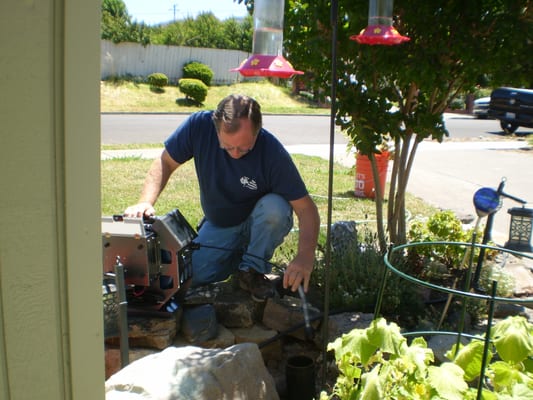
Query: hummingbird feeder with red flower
point(380, 30)
point(267, 48)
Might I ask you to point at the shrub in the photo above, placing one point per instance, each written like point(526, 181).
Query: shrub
point(356, 275)
point(445, 262)
point(197, 70)
point(123, 79)
point(193, 89)
point(157, 80)
point(379, 363)
point(442, 226)
point(457, 104)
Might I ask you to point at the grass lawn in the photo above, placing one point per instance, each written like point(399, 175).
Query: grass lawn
point(122, 180)
point(127, 96)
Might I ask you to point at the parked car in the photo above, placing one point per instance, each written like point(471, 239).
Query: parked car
point(481, 107)
point(513, 107)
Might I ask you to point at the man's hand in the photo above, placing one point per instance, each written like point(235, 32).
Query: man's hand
point(140, 210)
point(298, 272)
point(155, 181)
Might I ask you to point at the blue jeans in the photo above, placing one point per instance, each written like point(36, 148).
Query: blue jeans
point(244, 246)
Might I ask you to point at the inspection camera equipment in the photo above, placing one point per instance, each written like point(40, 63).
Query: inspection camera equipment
point(156, 257)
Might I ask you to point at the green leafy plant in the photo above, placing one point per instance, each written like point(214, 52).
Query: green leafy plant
point(356, 275)
point(442, 226)
point(440, 260)
point(193, 89)
point(378, 363)
point(493, 271)
point(157, 80)
point(510, 363)
point(197, 70)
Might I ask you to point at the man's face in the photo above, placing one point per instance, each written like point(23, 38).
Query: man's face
point(239, 143)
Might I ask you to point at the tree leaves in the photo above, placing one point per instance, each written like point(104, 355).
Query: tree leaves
point(206, 30)
point(452, 44)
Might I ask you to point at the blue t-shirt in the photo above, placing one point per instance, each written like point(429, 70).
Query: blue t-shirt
point(230, 188)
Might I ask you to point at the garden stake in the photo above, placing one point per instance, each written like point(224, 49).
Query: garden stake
point(487, 237)
point(491, 211)
point(487, 340)
point(454, 286)
point(333, 110)
point(377, 309)
point(466, 287)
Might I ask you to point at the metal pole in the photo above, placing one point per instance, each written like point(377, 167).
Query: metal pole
point(486, 238)
point(122, 313)
point(487, 341)
point(325, 329)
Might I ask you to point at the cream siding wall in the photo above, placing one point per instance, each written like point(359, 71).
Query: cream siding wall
point(51, 336)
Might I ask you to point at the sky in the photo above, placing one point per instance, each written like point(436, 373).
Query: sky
point(153, 12)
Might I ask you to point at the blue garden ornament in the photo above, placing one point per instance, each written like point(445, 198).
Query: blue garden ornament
point(486, 201)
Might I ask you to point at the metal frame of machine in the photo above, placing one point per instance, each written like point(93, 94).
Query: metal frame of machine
point(155, 254)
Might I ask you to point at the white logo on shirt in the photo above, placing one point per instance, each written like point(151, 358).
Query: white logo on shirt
point(248, 183)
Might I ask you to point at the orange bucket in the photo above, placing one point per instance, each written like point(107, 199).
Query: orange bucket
point(364, 181)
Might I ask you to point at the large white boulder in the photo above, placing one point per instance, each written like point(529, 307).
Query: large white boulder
point(237, 372)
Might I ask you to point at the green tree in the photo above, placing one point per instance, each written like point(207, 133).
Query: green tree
point(203, 31)
point(452, 43)
point(238, 34)
point(115, 8)
point(206, 31)
point(117, 25)
point(170, 35)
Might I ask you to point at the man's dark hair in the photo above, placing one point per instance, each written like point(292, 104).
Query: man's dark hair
point(232, 108)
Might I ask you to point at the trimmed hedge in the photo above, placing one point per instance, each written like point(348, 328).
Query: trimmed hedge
point(197, 70)
point(194, 89)
point(157, 80)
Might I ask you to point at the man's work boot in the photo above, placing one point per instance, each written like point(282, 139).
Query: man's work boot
point(257, 284)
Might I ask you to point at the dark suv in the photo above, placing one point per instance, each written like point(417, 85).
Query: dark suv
point(513, 107)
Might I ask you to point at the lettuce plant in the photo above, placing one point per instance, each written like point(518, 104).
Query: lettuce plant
point(378, 363)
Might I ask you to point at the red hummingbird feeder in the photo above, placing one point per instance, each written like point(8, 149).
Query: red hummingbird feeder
point(380, 30)
point(267, 48)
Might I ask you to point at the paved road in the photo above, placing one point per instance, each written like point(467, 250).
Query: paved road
point(155, 128)
point(291, 129)
point(446, 175)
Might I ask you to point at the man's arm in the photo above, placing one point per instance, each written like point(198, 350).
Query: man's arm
point(154, 183)
point(300, 268)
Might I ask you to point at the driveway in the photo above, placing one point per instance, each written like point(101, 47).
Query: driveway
point(447, 175)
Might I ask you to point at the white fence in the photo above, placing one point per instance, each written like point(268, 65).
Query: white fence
point(124, 59)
